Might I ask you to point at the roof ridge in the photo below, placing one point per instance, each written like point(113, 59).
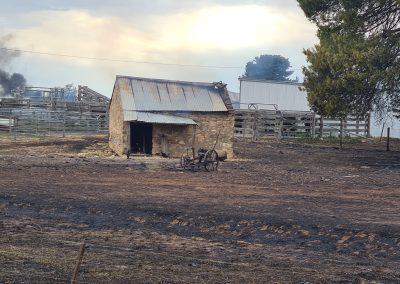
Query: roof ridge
point(208, 84)
point(272, 82)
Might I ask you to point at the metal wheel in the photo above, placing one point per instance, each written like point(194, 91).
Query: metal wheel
point(185, 161)
point(211, 161)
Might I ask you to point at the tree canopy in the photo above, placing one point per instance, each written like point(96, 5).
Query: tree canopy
point(355, 68)
point(268, 67)
point(365, 17)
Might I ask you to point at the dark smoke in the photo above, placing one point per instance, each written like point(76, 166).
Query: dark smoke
point(9, 82)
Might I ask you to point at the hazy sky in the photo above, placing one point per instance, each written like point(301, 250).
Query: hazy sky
point(218, 33)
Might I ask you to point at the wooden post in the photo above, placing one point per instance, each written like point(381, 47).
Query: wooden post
point(280, 125)
point(388, 140)
point(37, 124)
point(78, 263)
point(10, 126)
point(321, 127)
point(341, 133)
point(56, 123)
point(244, 124)
point(15, 128)
point(313, 125)
point(48, 120)
point(255, 127)
point(358, 126)
point(63, 134)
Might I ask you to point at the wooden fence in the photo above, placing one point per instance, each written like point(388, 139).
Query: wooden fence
point(261, 124)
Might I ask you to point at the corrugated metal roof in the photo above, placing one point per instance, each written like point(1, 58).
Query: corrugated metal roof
point(128, 104)
point(157, 118)
point(140, 94)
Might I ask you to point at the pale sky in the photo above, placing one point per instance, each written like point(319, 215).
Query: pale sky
point(226, 33)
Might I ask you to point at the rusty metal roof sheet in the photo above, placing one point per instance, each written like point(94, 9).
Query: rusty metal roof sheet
point(153, 95)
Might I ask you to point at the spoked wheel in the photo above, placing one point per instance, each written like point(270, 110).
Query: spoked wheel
point(185, 161)
point(211, 161)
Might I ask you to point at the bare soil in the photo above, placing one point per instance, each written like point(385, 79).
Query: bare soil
point(282, 212)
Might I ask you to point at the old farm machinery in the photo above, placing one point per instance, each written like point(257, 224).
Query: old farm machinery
point(206, 158)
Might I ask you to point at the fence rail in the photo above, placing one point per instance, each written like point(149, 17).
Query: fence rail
point(261, 124)
point(42, 122)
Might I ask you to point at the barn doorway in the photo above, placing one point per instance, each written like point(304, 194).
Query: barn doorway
point(141, 138)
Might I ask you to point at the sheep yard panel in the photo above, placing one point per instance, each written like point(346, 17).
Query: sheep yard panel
point(261, 124)
point(43, 122)
point(50, 112)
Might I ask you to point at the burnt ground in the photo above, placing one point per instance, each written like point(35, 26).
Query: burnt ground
point(279, 213)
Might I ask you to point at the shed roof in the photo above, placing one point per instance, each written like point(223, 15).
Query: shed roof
point(156, 118)
point(155, 95)
point(272, 82)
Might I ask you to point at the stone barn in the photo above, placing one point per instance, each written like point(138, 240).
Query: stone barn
point(162, 117)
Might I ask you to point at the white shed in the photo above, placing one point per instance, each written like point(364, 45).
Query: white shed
point(286, 95)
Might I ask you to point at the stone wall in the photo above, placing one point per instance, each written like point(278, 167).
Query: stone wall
point(118, 129)
point(179, 138)
point(209, 125)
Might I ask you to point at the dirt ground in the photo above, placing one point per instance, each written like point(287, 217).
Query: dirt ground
point(282, 212)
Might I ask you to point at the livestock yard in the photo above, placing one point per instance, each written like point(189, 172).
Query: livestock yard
point(280, 212)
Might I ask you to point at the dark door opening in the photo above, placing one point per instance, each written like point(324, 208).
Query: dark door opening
point(141, 138)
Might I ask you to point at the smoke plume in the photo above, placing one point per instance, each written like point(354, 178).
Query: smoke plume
point(8, 82)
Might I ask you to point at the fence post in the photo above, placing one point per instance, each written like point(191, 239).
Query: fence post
point(244, 124)
point(369, 125)
point(281, 133)
point(9, 126)
point(15, 128)
point(321, 127)
point(341, 132)
point(98, 118)
point(358, 126)
point(313, 124)
point(80, 121)
point(63, 125)
point(37, 124)
point(255, 128)
point(57, 122)
point(48, 120)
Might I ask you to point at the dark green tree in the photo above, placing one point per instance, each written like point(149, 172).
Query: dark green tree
point(268, 67)
point(365, 17)
point(346, 75)
point(355, 68)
